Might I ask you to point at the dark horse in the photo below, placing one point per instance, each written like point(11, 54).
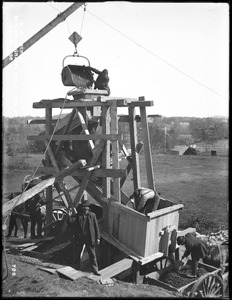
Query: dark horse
point(18, 214)
point(218, 256)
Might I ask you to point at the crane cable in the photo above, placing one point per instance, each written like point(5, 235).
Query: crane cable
point(24, 189)
point(83, 17)
point(157, 56)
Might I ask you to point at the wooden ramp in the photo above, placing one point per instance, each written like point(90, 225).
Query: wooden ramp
point(113, 269)
point(137, 258)
point(71, 273)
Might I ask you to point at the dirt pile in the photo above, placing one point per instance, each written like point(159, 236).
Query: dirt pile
point(215, 238)
point(179, 279)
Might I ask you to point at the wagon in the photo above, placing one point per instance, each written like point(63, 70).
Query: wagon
point(208, 285)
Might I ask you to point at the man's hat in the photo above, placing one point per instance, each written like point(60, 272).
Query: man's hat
point(85, 203)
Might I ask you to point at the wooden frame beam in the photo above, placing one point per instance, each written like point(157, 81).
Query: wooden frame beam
point(115, 150)
point(58, 103)
point(147, 149)
point(72, 137)
point(134, 142)
point(96, 152)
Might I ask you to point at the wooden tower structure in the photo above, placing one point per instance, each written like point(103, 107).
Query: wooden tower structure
point(85, 145)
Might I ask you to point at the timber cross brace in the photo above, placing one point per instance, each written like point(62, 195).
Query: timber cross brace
point(90, 132)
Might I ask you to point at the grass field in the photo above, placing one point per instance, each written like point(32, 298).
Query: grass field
point(198, 182)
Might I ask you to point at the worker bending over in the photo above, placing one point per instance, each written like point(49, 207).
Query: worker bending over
point(145, 200)
point(194, 246)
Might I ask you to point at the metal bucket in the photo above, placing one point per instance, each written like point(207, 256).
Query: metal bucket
point(79, 76)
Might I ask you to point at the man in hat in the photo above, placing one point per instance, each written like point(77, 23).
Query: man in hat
point(194, 246)
point(86, 233)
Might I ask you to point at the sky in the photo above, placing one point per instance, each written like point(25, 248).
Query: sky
point(176, 54)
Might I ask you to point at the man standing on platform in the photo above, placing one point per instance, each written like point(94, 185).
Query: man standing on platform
point(86, 232)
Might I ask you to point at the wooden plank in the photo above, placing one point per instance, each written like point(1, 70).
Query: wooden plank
point(24, 245)
point(88, 92)
point(115, 268)
point(71, 273)
point(106, 154)
point(164, 211)
point(96, 152)
point(147, 149)
point(38, 255)
point(84, 126)
point(40, 121)
point(138, 149)
point(48, 130)
point(58, 103)
point(73, 137)
point(121, 247)
point(141, 104)
point(105, 98)
point(134, 142)
point(29, 248)
point(150, 258)
point(49, 270)
point(115, 150)
point(120, 173)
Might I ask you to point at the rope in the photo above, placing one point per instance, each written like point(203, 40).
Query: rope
point(83, 17)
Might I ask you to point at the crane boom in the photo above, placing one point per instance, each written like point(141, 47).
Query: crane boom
point(60, 17)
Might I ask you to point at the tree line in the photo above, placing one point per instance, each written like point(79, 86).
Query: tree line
point(164, 133)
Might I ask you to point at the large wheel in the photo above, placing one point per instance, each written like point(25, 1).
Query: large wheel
point(162, 263)
point(208, 286)
point(58, 214)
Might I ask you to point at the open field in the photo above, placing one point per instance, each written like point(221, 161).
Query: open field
point(198, 182)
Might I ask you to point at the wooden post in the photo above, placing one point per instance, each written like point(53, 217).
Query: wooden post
point(147, 149)
point(134, 141)
point(106, 183)
point(49, 204)
point(106, 151)
point(135, 272)
point(115, 150)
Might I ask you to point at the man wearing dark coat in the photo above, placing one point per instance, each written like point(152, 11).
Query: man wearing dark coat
point(102, 81)
point(86, 232)
point(194, 246)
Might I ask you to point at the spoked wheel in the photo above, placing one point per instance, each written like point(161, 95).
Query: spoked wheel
point(162, 263)
point(58, 214)
point(208, 286)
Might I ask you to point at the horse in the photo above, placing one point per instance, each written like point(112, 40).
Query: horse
point(218, 256)
point(18, 216)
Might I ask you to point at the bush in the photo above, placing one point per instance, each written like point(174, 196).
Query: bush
point(203, 224)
